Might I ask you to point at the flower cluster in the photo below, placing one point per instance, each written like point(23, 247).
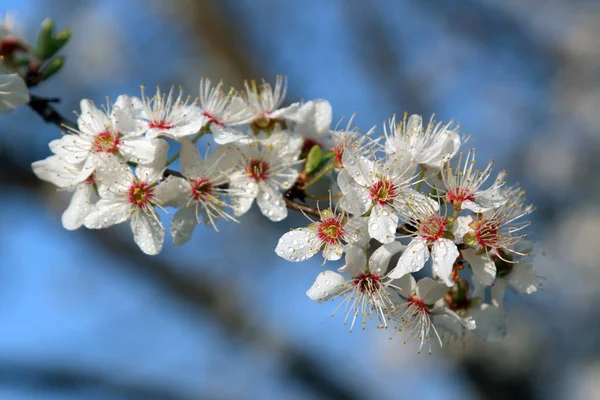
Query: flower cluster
point(412, 204)
point(399, 207)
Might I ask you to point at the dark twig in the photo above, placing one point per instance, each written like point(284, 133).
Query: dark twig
point(44, 108)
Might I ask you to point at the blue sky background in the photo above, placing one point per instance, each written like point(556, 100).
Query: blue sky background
point(64, 302)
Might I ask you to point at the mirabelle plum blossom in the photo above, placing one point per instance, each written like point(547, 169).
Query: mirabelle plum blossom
point(125, 196)
point(416, 306)
point(262, 171)
point(264, 101)
point(223, 113)
point(331, 235)
point(463, 186)
point(428, 147)
point(350, 138)
point(200, 195)
point(495, 233)
point(430, 238)
point(169, 116)
point(105, 132)
point(65, 175)
point(365, 290)
point(378, 188)
point(13, 92)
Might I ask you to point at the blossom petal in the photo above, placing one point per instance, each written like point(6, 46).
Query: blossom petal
point(356, 199)
point(190, 161)
point(443, 255)
point(490, 320)
point(13, 92)
point(333, 252)
point(483, 268)
point(356, 261)
point(224, 134)
point(92, 120)
point(356, 231)
point(314, 119)
point(498, 290)
point(430, 291)
point(382, 224)
point(173, 192)
point(243, 192)
point(107, 212)
point(55, 170)
point(139, 149)
point(359, 168)
point(523, 278)
point(148, 234)
point(380, 259)
point(461, 228)
point(298, 245)
point(81, 205)
point(271, 204)
point(182, 225)
point(413, 259)
point(73, 149)
point(327, 285)
point(153, 171)
point(407, 285)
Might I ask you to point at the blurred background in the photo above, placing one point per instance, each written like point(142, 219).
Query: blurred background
point(86, 315)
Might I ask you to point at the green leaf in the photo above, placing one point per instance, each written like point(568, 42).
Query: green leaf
point(45, 39)
point(60, 39)
point(325, 159)
point(313, 160)
point(53, 67)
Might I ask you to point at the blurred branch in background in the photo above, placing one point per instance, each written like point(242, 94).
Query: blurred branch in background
point(64, 380)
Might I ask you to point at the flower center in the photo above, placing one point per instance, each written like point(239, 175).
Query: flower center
point(433, 228)
point(106, 142)
point(414, 300)
point(383, 192)
point(140, 194)
point(330, 231)
point(487, 233)
point(367, 282)
point(258, 170)
point(265, 123)
point(339, 152)
point(456, 196)
point(162, 125)
point(201, 189)
point(212, 119)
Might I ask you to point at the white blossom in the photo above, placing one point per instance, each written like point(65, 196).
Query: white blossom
point(200, 195)
point(264, 103)
point(428, 147)
point(365, 290)
point(105, 132)
point(378, 188)
point(463, 184)
point(331, 235)
point(223, 113)
point(170, 116)
point(262, 171)
point(125, 196)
